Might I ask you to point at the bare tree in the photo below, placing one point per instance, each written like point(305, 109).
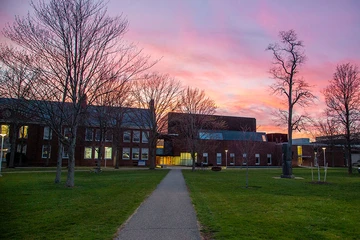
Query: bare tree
point(288, 58)
point(160, 93)
point(342, 97)
point(197, 109)
point(77, 50)
point(249, 145)
point(15, 83)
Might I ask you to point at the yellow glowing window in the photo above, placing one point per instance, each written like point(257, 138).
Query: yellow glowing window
point(5, 129)
point(23, 132)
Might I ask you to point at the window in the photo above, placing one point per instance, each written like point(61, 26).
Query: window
point(135, 153)
point(257, 159)
point(126, 137)
point(67, 132)
point(21, 148)
point(108, 136)
point(144, 154)
point(5, 129)
point(205, 158)
point(269, 160)
point(108, 152)
point(136, 136)
point(89, 134)
point(218, 158)
point(47, 133)
point(244, 158)
point(65, 153)
point(46, 150)
point(97, 135)
point(23, 132)
point(88, 153)
point(232, 158)
point(126, 154)
point(96, 153)
point(145, 138)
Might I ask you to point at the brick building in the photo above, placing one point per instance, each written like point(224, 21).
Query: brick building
point(123, 139)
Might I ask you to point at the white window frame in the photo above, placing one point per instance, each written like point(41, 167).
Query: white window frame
point(43, 153)
point(245, 157)
point(125, 150)
point(144, 137)
point(257, 159)
point(89, 131)
point(218, 157)
point(88, 155)
point(47, 133)
point(232, 156)
point(134, 151)
point(96, 152)
point(269, 157)
point(107, 153)
point(125, 134)
point(144, 151)
point(136, 137)
point(205, 156)
point(65, 152)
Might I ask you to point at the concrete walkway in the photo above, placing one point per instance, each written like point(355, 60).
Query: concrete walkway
point(167, 214)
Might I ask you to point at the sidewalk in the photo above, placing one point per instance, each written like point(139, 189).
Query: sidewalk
point(167, 214)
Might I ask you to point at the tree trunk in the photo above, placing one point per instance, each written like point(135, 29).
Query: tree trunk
point(193, 160)
point(59, 162)
point(13, 146)
point(70, 181)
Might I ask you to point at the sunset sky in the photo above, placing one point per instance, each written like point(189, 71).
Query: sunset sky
point(219, 45)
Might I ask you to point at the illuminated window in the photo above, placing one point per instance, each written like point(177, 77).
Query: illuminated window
point(144, 154)
point(47, 133)
point(5, 129)
point(135, 153)
point(257, 159)
point(46, 150)
point(136, 136)
point(218, 158)
point(96, 153)
point(88, 153)
point(126, 154)
point(23, 132)
point(108, 152)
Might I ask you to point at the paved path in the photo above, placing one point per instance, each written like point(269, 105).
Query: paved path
point(167, 214)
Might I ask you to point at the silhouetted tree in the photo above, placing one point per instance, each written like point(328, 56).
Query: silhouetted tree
point(342, 97)
point(76, 49)
point(197, 117)
point(159, 93)
point(288, 57)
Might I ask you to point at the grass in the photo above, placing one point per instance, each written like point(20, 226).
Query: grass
point(276, 208)
point(33, 207)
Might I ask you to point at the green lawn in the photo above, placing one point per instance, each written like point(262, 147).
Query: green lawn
point(33, 207)
point(276, 208)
